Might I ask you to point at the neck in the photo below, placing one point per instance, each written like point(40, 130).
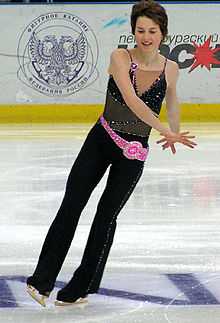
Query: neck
point(147, 58)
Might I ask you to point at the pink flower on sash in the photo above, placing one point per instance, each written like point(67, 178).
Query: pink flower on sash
point(135, 150)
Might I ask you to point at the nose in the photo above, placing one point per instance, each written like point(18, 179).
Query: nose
point(147, 36)
point(146, 39)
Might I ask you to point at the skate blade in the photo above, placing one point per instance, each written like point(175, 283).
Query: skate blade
point(36, 295)
point(81, 300)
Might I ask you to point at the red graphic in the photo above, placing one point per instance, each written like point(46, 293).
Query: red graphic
point(204, 55)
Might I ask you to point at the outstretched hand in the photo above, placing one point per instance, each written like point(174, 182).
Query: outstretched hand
point(170, 139)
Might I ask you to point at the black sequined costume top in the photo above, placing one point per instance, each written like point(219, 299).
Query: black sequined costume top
point(119, 116)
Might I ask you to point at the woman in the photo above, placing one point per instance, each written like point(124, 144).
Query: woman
point(139, 79)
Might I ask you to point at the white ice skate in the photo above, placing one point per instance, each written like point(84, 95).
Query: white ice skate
point(80, 300)
point(39, 298)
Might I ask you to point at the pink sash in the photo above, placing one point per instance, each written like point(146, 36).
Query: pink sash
point(131, 149)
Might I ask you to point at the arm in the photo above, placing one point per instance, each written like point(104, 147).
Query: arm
point(172, 104)
point(173, 112)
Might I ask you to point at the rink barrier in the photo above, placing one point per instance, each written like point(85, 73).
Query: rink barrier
point(79, 113)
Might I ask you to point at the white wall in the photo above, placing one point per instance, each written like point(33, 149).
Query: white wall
point(99, 29)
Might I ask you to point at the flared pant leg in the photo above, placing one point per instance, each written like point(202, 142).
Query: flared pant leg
point(122, 179)
point(88, 168)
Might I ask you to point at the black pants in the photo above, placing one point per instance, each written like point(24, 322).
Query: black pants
point(97, 153)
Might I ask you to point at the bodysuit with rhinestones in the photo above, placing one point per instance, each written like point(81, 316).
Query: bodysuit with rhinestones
point(150, 86)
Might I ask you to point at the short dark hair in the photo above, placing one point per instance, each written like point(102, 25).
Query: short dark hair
point(152, 10)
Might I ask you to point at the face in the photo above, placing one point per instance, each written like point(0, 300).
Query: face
point(148, 35)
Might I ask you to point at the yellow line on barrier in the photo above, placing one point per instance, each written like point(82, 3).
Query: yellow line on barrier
point(81, 113)
point(49, 113)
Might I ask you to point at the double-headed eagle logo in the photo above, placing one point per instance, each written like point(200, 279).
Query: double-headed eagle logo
point(57, 61)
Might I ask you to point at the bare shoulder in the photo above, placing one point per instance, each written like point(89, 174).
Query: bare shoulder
point(119, 58)
point(172, 73)
point(119, 53)
point(172, 66)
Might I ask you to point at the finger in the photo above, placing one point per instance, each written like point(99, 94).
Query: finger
point(173, 149)
point(193, 143)
point(190, 142)
point(189, 137)
point(188, 145)
point(165, 146)
point(161, 140)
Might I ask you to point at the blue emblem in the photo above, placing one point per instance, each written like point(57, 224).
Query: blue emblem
point(57, 54)
point(57, 61)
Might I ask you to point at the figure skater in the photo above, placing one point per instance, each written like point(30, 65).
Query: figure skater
point(139, 80)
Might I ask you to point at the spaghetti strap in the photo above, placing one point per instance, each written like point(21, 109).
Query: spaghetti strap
point(165, 63)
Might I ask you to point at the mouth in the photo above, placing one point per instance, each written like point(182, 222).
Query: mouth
point(147, 44)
